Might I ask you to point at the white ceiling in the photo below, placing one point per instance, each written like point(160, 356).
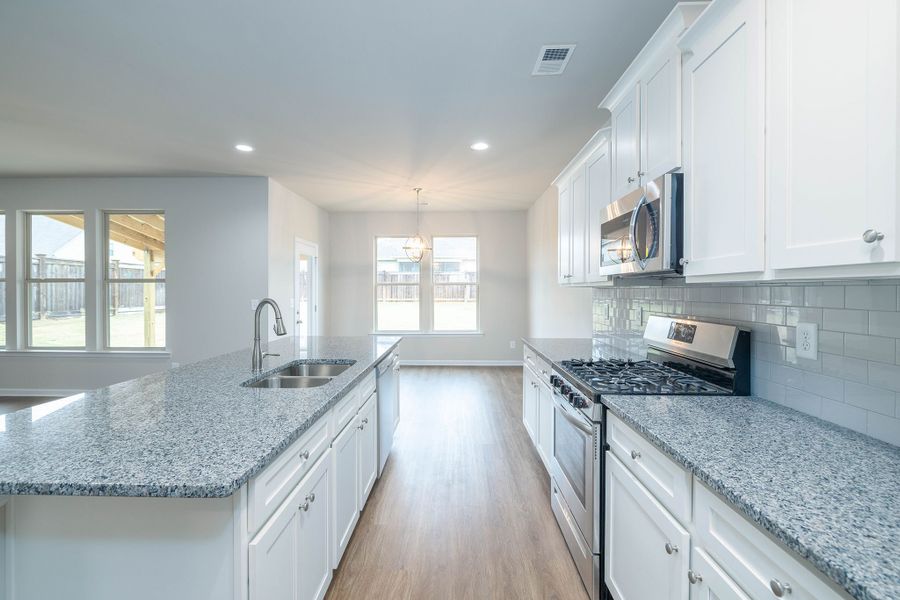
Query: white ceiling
point(350, 103)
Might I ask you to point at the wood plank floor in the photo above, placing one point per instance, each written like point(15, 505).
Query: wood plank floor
point(462, 509)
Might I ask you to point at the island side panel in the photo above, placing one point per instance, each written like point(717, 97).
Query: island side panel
point(99, 548)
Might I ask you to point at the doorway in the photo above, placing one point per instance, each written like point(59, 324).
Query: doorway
point(306, 287)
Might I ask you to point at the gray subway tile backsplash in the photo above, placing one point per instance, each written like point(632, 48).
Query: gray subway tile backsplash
point(854, 382)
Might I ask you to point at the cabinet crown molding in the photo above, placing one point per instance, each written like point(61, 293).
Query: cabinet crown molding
point(663, 41)
point(597, 140)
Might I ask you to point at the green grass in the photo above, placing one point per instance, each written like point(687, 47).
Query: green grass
point(126, 331)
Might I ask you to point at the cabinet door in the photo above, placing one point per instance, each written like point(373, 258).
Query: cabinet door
point(647, 550)
point(344, 459)
point(313, 506)
point(579, 223)
point(624, 144)
point(819, 206)
point(545, 422)
point(708, 580)
point(273, 552)
point(529, 404)
point(661, 117)
point(599, 195)
point(724, 106)
point(564, 233)
point(368, 449)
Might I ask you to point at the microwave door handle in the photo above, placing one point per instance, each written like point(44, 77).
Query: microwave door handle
point(632, 232)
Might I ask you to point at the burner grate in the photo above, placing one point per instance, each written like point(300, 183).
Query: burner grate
point(612, 376)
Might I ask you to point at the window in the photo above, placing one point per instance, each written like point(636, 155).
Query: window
point(2, 280)
point(452, 287)
point(396, 287)
point(54, 280)
point(135, 282)
point(455, 278)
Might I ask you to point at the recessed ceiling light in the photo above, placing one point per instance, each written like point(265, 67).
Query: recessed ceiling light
point(243, 147)
point(479, 146)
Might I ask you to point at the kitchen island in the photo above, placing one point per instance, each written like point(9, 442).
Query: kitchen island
point(156, 487)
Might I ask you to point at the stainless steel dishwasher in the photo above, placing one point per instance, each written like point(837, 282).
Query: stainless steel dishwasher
point(388, 406)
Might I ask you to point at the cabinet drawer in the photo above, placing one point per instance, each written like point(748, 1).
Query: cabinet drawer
point(538, 365)
point(367, 385)
point(669, 483)
point(756, 563)
point(273, 484)
point(344, 411)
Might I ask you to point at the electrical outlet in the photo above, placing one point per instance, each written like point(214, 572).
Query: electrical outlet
point(512, 344)
point(807, 341)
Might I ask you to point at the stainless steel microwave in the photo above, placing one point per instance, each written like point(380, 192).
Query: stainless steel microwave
point(640, 234)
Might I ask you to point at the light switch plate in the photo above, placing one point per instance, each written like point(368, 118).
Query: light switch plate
point(807, 341)
point(512, 344)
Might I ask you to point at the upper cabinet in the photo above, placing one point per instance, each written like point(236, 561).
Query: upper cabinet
point(724, 100)
point(832, 84)
point(564, 233)
point(645, 107)
point(599, 195)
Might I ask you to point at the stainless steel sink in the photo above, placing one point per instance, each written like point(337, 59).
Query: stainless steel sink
point(289, 381)
point(313, 370)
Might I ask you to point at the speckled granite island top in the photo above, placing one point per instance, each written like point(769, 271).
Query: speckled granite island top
point(829, 494)
point(192, 432)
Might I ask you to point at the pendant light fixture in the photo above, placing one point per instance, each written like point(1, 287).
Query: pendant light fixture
point(416, 246)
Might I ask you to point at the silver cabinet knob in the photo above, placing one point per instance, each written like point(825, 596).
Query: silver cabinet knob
point(671, 548)
point(311, 497)
point(305, 455)
point(694, 577)
point(365, 421)
point(682, 261)
point(870, 236)
point(305, 506)
point(631, 180)
point(360, 427)
point(779, 589)
point(641, 173)
point(635, 455)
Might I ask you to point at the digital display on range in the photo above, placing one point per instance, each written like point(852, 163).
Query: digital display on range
point(682, 332)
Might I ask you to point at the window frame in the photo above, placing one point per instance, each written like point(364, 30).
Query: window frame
point(106, 281)
point(28, 280)
point(378, 285)
point(476, 284)
point(4, 282)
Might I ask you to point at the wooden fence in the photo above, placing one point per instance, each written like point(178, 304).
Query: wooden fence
point(444, 290)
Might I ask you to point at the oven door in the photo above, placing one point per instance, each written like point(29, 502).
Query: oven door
point(573, 465)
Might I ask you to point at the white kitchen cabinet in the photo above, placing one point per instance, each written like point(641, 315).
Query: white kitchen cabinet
point(345, 465)
point(530, 404)
point(290, 558)
point(624, 136)
point(709, 582)
point(647, 550)
point(724, 160)
point(599, 195)
point(368, 448)
point(545, 422)
point(660, 119)
point(564, 233)
point(579, 225)
point(831, 84)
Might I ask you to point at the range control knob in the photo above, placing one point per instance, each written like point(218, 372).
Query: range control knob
point(565, 390)
point(580, 403)
point(554, 381)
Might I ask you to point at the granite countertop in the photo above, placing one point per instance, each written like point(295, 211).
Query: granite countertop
point(193, 431)
point(828, 493)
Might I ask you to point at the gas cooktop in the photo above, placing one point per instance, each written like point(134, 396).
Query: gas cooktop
point(614, 376)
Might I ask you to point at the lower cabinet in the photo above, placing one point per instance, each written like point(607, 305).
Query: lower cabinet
point(345, 461)
point(709, 582)
point(368, 448)
point(647, 550)
point(290, 557)
point(530, 403)
point(545, 422)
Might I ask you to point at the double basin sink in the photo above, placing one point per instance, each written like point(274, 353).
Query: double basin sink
point(303, 375)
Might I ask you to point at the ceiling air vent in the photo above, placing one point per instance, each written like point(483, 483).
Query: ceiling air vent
point(552, 60)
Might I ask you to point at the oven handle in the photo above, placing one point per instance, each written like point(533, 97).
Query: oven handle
point(572, 418)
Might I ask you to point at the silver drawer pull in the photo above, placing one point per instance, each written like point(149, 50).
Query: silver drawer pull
point(635, 454)
point(671, 548)
point(694, 577)
point(870, 236)
point(779, 589)
point(311, 497)
point(305, 455)
point(305, 506)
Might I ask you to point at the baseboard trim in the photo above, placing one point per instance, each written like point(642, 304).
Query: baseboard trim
point(460, 363)
point(38, 392)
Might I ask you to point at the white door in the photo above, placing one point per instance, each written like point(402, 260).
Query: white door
point(273, 555)
point(661, 117)
point(305, 288)
point(564, 234)
point(624, 144)
point(579, 222)
point(345, 458)
point(368, 449)
point(724, 105)
point(709, 582)
point(314, 555)
point(599, 195)
point(529, 404)
point(545, 422)
point(825, 95)
point(647, 550)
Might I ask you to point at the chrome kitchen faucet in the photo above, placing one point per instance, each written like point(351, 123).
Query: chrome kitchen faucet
point(278, 328)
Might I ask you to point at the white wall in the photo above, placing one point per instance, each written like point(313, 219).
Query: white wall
point(290, 217)
point(501, 237)
point(553, 310)
point(216, 259)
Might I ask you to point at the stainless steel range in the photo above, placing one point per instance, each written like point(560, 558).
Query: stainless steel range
point(684, 357)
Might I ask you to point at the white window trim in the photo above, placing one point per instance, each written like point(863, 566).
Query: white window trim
point(426, 292)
